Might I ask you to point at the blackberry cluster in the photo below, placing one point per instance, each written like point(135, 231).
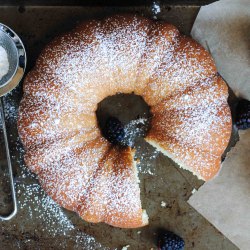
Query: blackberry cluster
point(243, 114)
point(114, 130)
point(170, 241)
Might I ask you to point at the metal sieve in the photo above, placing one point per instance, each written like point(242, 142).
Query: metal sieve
point(17, 63)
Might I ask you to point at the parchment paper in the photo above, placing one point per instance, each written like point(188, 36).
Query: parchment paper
point(224, 28)
point(225, 200)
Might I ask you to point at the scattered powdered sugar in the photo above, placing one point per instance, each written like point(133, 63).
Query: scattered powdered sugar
point(42, 207)
point(10, 108)
point(134, 129)
point(156, 9)
point(4, 62)
point(146, 157)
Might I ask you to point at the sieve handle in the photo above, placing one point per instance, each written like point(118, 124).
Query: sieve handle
point(13, 213)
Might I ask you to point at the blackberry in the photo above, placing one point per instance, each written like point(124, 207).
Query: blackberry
point(114, 130)
point(170, 241)
point(243, 114)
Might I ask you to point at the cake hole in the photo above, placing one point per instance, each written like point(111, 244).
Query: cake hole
point(123, 118)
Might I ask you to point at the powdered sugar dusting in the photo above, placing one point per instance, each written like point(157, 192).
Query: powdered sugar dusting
point(10, 108)
point(194, 128)
point(35, 197)
point(134, 129)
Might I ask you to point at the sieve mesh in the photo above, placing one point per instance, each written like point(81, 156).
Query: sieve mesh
point(17, 62)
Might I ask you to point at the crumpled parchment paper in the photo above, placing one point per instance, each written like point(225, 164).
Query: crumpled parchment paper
point(225, 200)
point(224, 29)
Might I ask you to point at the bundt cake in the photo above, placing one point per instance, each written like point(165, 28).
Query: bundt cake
point(57, 124)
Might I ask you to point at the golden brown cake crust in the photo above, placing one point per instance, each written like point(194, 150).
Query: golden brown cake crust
point(57, 124)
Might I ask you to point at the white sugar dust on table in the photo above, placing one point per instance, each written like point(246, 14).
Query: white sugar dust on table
point(156, 9)
point(42, 208)
point(10, 109)
point(146, 157)
point(39, 206)
point(147, 161)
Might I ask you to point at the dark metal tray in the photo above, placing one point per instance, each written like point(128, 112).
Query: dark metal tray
point(41, 224)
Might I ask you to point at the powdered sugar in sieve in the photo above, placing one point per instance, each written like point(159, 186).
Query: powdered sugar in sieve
point(9, 59)
point(4, 62)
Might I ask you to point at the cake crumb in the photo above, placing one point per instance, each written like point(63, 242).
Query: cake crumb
point(163, 204)
point(150, 172)
point(193, 191)
point(126, 247)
